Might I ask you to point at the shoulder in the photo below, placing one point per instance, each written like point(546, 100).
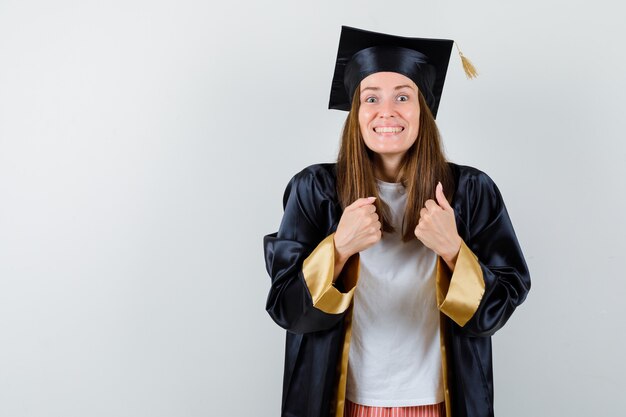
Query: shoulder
point(472, 180)
point(317, 181)
point(466, 173)
point(475, 191)
point(311, 199)
point(318, 172)
point(320, 176)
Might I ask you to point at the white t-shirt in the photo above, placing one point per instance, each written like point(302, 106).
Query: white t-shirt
point(395, 357)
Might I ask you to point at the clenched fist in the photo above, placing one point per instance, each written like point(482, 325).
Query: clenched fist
point(437, 228)
point(358, 228)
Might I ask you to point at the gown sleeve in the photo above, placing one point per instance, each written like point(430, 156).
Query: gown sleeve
point(299, 258)
point(491, 277)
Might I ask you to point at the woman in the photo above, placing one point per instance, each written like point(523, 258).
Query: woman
point(392, 268)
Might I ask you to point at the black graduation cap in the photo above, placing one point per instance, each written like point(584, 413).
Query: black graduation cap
point(362, 53)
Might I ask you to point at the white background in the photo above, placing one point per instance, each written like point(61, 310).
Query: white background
point(144, 150)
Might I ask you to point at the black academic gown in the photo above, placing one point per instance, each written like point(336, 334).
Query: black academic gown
point(315, 338)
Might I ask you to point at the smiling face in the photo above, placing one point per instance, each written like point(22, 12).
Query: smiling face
point(389, 115)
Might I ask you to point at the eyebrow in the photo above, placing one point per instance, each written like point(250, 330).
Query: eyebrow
point(396, 88)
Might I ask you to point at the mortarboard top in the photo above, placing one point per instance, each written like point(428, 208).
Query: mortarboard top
point(362, 53)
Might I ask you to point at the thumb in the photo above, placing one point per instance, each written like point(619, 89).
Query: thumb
point(360, 202)
point(441, 197)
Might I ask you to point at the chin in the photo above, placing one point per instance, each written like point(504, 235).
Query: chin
point(388, 150)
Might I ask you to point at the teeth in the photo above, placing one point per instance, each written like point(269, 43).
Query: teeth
point(388, 129)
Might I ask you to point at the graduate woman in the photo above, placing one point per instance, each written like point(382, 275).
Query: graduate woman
point(393, 267)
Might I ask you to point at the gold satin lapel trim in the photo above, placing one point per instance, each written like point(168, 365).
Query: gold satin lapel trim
point(342, 380)
point(442, 280)
point(318, 270)
point(459, 294)
point(444, 364)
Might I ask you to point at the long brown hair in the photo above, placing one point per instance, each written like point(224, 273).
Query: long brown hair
point(423, 165)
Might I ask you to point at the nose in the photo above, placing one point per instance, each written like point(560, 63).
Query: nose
point(387, 109)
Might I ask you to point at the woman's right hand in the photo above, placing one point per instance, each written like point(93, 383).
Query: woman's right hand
point(358, 229)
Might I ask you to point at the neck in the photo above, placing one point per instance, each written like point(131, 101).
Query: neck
point(387, 167)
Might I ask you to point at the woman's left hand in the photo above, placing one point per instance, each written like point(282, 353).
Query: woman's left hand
point(436, 228)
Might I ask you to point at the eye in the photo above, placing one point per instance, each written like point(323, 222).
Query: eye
point(403, 97)
point(370, 99)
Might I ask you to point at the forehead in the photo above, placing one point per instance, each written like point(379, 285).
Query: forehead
point(386, 80)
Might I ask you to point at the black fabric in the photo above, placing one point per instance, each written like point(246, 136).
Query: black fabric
point(314, 338)
point(362, 52)
point(408, 62)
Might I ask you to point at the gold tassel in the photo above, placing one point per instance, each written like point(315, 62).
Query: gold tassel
point(468, 67)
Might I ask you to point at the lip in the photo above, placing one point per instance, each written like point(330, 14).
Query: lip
point(387, 129)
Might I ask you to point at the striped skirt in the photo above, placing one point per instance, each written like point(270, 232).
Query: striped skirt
point(358, 410)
